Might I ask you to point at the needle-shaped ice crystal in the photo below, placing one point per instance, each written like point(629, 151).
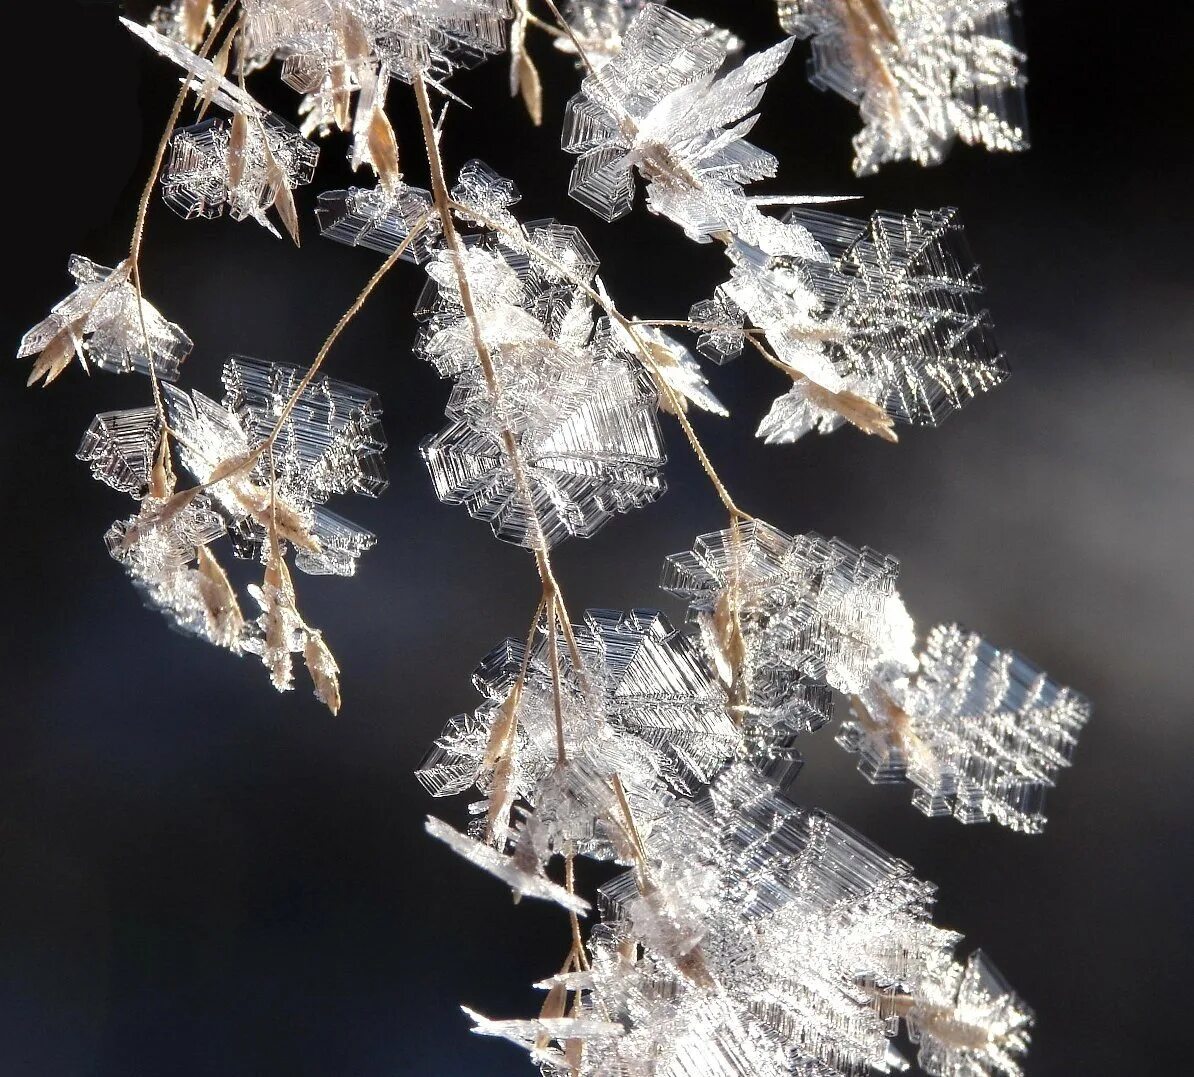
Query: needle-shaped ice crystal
point(101, 322)
point(524, 881)
point(923, 73)
point(981, 733)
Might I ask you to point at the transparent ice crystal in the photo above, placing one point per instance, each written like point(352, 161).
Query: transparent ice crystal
point(381, 220)
point(330, 442)
point(660, 108)
point(326, 41)
point(644, 706)
point(814, 614)
point(600, 25)
point(100, 322)
point(764, 938)
point(600, 454)
point(980, 732)
point(209, 173)
point(579, 412)
point(882, 325)
point(120, 447)
point(923, 72)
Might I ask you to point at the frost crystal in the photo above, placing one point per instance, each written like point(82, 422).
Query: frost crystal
point(813, 613)
point(100, 322)
point(120, 447)
point(882, 326)
point(980, 732)
point(644, 706)
point(658, 107)
point(210, 170)
point(774, 941)
point(580, 413)
point(326, 42)
point(330, 442)
point(381, 220)
point(923, 73)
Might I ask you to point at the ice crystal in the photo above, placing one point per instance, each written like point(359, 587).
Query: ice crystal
point(120, 447)
point(750, 937)
point(644, 705)
point(184, 21)
point(329, 442)
point(325, 42)
point(101, 322)
point(883, 325)
point(381, 220)
point(599, 26)
point(923, 72)
point(762, 938)
point(980, 732)
point(659, 107)
point(579, 412)
point(813, 613)
point(209, 172)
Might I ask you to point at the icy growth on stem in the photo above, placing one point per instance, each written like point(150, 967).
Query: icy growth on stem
point(786, 618)
point(381, 220)
point(980, 732)
point(580, 413)
point(100, 322)
point(659, 107)
point(883, 326)
point(329, 443)
point(644, 706)
point(923, 73)
point(600, 26)
point(120, 447)
point(774, 940)
point(242, 166)
point(325, 42)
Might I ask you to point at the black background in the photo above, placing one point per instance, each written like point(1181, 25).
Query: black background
point(201, 877)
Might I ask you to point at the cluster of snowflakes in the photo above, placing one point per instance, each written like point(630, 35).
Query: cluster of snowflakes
point(748, 936)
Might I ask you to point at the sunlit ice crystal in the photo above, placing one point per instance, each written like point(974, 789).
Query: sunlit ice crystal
point(643, 705)
point(980, 732)
point(675, 369)
point(600, 25)
point(208, 173)
point(970, 1022)
point(902, 299)
point(381, 220)
point(101, 322)
point(184, 21)
point(120, 447)
point(814, 944)
point(407, 37)
point(597, 455)
point(658, 107)
point(815, 613)
point(329, 441)
point(923, 72)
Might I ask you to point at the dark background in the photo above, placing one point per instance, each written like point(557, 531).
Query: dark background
point(201, 877)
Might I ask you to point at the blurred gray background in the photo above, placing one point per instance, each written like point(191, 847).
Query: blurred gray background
point(203, 878)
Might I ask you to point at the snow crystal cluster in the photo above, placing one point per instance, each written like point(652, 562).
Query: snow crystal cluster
point(923, 73)
point(742, 935)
